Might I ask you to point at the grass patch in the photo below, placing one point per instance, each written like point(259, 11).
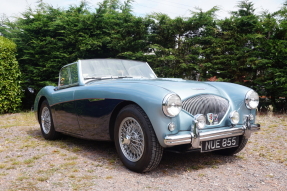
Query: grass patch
point(201, 175)
point(273, 132)
point(28, 161)
point(214, 166)
point(2, 166)
point(3, 174)
point(212, 162)
point(240, 157)
point(42, 178)
point(272, 125)
point(72, 158)
point(56, 151)
point(18, 119)
point(88, 177)
point(72, 176)
point(21, 178)
point(29, 145)
point(98, 165)
point(112, 161)
point(48, 172)
point(31, 186)
point(10, 167)
point(75, 149)
point(67, 164)
point(2, 149)
point(37, 157)
point(196, 167)
point(16, 163)
point(81, 186)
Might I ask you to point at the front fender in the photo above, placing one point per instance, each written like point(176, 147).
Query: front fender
point(46, 93)
point(235, 93)
point(147, 96)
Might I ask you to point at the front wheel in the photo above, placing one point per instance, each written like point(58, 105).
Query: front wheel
point(46, 122)
point(135, 140)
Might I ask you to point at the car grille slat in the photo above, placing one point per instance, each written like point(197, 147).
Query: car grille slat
point(207, 104)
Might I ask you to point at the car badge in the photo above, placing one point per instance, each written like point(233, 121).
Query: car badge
point(215, 119)
point(210, 118)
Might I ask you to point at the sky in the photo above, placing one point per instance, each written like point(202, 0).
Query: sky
point(174, 8)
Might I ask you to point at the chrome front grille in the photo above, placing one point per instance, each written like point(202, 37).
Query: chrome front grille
point(212, 106)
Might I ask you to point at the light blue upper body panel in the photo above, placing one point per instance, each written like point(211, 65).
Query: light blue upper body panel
point(149, 95)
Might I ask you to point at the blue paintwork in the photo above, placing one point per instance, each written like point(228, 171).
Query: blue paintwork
point(85, 110)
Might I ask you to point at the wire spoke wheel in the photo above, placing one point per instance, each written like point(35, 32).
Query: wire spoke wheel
point(131, 139)
point(46, 120)
point(135, 140)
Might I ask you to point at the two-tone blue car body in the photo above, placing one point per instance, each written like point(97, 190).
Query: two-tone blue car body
point(124, 101)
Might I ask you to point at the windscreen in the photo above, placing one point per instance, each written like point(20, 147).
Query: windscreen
point(104, 68)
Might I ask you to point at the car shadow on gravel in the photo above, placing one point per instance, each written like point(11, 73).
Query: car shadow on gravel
point(174, 163)
point(105, 153)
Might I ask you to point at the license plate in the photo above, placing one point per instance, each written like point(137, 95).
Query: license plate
point(219, 144)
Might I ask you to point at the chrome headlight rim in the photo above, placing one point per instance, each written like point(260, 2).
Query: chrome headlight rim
point(252, 103)
point(200, 121)
point(234, 117)
point(166, 103)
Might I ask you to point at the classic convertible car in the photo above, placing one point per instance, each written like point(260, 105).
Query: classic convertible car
point(124, 101)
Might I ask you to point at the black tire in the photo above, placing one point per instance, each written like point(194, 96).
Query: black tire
point(135, 140)
point(233, 150)
point(46, 122)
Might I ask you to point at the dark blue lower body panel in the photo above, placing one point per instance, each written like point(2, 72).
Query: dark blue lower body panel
point(87, 118)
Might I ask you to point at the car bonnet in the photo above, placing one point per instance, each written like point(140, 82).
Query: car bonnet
point(184, 88)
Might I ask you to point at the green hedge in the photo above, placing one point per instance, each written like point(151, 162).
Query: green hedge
point(10, 90)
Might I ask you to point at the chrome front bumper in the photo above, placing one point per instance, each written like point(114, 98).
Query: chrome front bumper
point(194, 138)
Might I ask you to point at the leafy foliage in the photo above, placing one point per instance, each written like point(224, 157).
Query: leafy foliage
point(10, 90)
point(246, 48)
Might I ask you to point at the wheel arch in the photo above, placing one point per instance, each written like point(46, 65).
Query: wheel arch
point(114, 115)
point(41, 100)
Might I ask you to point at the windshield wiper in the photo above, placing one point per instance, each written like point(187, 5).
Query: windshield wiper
point(124, 77)
point(107, 77)
point(98, 78)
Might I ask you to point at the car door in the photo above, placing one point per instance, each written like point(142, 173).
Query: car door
point(65, 115)
point(94, 112)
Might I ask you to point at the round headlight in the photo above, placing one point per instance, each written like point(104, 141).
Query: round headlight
point(171, 105)
point(251, 99)
point(234, 117)
point(200, 121)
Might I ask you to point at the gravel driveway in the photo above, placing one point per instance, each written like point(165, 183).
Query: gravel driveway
point(28, 162)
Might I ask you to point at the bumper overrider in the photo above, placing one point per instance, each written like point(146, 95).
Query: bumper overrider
point(195, 137)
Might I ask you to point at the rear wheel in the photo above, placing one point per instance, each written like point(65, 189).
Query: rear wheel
point(135, 140)
point(233, 150)
point(46, 122)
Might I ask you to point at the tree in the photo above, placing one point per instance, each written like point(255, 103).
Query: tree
point(246, 48)
point(10, 90)
point(175, 48)
point(271, 65)
point(231, 55)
